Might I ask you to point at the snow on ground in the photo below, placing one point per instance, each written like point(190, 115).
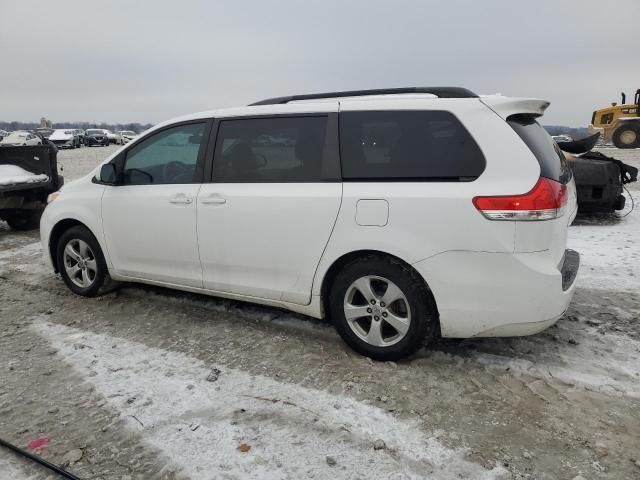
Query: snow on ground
point(608, 364)
point(14, 175)
point(609, 250)
point(9, 469)
point(30, 252)
point(200, 418)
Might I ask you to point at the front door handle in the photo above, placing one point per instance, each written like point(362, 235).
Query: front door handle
point(181, 199)
point(214, 200)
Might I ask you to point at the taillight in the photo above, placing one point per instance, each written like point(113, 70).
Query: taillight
point(545, 201)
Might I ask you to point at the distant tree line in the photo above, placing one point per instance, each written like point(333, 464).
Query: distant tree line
point(575, 133)
point(136, 127)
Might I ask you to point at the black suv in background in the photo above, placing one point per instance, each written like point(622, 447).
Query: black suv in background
point(95, 136)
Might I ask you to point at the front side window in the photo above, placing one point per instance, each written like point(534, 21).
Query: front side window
point(278, 149)
point(407, 145)
point(168, 157)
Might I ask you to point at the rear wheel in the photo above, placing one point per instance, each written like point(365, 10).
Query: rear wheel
point(627, 135)
point(81, 262)
point(382, 308)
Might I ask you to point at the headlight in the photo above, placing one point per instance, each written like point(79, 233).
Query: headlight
point(53, 196)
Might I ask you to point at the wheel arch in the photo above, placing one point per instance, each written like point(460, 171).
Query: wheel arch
point(56, 232)
point(330, 275)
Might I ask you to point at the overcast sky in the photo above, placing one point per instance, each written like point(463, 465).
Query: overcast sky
point(146, 61)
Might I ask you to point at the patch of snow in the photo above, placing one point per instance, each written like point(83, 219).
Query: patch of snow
point(15, 175)
point(199, 425)
point(609, 252)
point(28, 250)
point(610, 367)
point(9, 470)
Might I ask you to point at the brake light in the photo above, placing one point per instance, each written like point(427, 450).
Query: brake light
point(547, 200)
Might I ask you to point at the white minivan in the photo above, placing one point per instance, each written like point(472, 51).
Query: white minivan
point(398, 214)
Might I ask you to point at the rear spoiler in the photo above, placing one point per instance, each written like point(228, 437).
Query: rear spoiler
point(507, 106)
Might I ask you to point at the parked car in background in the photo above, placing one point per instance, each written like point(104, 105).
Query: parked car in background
point(355, 209)
point(3, 133)
point(81, 135)
point(114, 137)
point(127, 135)
point(20, 138)
point(44, 132)
point(65, 138)
point(96, 136)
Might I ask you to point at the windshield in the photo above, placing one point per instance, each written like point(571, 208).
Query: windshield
point(95, 132)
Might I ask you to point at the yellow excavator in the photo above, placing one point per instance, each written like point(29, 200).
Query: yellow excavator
point(619, 123)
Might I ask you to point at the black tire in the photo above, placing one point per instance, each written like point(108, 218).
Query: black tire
point(423, 311)
point(101, 278)
point(24, 221)
point(627, 130)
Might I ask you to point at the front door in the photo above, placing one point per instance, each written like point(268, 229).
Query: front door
point(149, 218)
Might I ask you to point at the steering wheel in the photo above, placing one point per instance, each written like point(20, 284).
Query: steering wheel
point(173, 170)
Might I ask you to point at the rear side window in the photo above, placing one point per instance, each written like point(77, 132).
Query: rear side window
point(407, 145)
point(270, 150)
point(553, 164)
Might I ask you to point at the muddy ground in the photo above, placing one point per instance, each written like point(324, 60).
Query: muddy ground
point(148, 383)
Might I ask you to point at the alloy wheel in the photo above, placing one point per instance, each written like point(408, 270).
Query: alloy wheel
point(80, 263)
point(377, 311)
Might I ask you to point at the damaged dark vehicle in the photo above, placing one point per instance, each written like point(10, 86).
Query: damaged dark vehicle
point(599, 179)
point(28, 175)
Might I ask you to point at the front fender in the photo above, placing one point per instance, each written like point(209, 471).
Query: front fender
point(80, 202)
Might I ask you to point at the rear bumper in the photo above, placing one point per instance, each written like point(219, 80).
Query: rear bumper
point(482, 294)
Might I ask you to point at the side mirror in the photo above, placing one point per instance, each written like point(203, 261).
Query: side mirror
point(108, 174)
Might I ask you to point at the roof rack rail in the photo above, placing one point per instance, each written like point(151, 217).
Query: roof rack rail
point(442, 92)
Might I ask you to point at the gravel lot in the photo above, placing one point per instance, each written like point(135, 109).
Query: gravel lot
point(146, 383)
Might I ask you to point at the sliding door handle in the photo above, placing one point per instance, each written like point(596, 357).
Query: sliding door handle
point(181, 199)
point(214, 201)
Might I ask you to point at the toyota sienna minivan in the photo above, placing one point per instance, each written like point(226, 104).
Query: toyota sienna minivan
point(397, 214)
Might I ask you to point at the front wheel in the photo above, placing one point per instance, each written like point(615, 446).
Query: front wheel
point(382, 308)
point(81, 262)
point(627, 136)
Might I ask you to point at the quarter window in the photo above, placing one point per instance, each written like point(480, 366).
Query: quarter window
point(279, 149)
point(553, 164)
point(169, 156)
point(407, 145)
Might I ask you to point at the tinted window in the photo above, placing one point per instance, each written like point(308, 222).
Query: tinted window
point(553, 165)
point(407, 145)
point(281, 149)
point(169, 156)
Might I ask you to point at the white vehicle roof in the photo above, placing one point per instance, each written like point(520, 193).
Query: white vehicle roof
point(503, 106)
point(364, 99)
